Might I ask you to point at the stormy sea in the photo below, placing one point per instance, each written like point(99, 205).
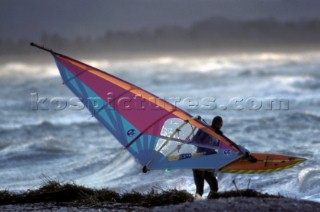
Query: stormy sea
point(269, 102)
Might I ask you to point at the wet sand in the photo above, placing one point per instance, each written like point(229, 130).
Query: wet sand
point(222, 204)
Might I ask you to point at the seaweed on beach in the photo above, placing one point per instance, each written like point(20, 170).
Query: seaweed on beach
point(6, 198)
point(58, 193)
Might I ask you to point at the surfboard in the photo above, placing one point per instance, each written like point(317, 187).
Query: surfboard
point(265, 163)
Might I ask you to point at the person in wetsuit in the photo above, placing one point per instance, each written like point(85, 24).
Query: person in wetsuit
point(206, 175)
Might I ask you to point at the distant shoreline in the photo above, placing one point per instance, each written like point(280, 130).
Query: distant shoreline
point(212, 35)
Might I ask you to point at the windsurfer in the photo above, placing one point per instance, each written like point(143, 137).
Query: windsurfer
point(206, 175)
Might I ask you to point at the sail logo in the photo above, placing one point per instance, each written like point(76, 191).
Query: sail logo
point(227, 152)
point(131, 132)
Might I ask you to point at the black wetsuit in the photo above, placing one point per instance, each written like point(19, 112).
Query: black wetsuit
point(205, 175)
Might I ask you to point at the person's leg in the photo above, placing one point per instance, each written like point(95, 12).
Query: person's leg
point(212, 181)
point(198, 177)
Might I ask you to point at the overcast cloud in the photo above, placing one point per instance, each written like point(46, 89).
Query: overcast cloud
point(30, 19)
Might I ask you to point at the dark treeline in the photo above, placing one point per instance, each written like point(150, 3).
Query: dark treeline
point(214, 34)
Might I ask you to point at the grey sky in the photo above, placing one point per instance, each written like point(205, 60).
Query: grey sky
point(30, 18)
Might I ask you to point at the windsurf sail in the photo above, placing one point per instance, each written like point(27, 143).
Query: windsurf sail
point(158, 134)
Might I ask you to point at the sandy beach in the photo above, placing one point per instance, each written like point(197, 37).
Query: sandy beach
point(222, 204)
point(244, 204)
